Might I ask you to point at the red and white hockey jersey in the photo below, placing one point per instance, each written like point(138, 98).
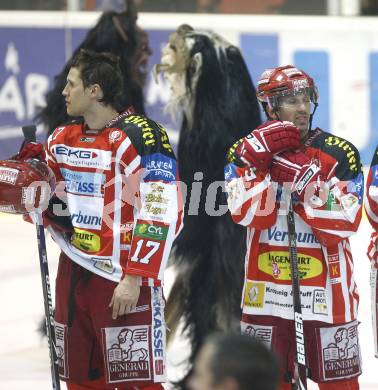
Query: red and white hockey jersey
point(371, 208)
point(371, 204)
point(122, 196)
point(328, 290)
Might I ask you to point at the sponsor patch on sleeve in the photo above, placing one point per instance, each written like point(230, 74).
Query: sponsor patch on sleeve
point(159, 201)
point(148, 244)
point(230, 172)
point(159, 167)
point(156, 231)
point(357, 186)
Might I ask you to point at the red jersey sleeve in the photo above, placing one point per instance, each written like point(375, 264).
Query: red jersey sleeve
point(158, 206)
point(335, 213)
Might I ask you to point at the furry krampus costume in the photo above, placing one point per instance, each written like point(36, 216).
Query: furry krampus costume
point(212, 88)
point(119, 34)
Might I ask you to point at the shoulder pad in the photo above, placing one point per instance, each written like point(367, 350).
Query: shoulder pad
point(60, 129)
point(232, 156)
point(147, 136)
point(374, 160)
point(344, 152)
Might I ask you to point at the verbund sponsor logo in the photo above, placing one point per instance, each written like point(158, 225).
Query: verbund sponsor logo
point(301, 237)
point(86, 220)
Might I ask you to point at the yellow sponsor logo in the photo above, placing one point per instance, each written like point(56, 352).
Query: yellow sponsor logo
point(149, 134)
point(352, 157)
point(86, 241)
point(277, 264)
point(254, 295)
point(231, 155)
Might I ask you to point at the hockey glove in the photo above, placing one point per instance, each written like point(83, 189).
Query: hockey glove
point(30, 150)
point(258, 148)
point(295, 171)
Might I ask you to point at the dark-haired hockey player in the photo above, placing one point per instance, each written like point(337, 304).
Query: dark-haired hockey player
point(119, 175)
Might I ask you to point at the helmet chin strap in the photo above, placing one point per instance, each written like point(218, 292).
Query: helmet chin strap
point(312, 115)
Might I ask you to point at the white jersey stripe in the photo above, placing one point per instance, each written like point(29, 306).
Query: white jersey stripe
point(118, 198)
point(344, 282)
point(369, 211)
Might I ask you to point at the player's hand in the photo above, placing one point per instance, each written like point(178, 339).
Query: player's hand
point(258, 148)
point(31, 150)
point(125, 296)
point(296, 171)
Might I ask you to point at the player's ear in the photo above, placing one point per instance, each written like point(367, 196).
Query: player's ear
point(96, 91)
point(271, 113)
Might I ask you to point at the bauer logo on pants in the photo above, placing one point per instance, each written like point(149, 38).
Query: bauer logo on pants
point(340, 351)
point(127, 356)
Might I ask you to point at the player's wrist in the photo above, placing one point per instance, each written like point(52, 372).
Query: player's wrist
point(135, 279)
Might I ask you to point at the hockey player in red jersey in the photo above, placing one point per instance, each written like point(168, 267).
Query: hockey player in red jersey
point(371, 208)
point(321, 172)
point(115, 223)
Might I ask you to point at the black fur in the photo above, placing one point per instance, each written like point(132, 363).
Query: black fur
point(209, 252)
point(104, 36)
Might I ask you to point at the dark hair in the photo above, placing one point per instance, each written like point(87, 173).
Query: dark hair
point(102, 69)
point(108, 35)
point(245, 359)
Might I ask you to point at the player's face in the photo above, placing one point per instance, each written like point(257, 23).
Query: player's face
point(296, 109)
point(76, 96)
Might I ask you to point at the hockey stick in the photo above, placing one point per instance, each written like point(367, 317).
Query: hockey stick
point(301, 381)
point(29, 135)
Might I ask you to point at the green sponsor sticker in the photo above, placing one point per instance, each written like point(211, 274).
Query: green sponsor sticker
point(332, 204)
point(152, 232)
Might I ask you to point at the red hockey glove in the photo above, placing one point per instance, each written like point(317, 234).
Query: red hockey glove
point(295, 170)
point(30, 150)
point(258, 148)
